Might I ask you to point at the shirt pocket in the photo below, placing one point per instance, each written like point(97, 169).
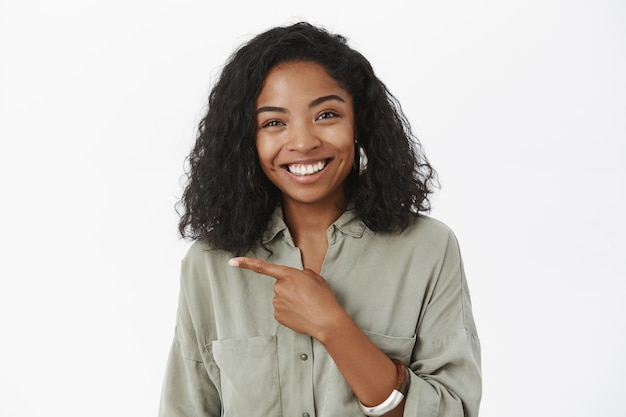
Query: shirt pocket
point(395, 347)
point(248, 376)
point(339, 395)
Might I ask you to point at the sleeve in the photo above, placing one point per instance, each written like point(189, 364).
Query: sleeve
point(446, 378)
point(191, 376)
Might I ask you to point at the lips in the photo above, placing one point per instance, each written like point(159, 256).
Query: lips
point(307, 169)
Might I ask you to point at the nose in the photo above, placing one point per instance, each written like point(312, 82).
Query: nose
point(302, 138)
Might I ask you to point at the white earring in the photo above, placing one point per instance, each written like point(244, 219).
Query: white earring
point(360, 157)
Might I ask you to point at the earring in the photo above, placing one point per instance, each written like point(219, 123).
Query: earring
point(360, 158)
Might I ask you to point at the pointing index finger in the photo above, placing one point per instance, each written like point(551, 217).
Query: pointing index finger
point(261, 267)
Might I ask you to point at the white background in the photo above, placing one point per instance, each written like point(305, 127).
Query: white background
point(520, 105)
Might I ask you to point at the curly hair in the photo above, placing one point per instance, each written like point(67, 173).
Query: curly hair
point(228, 200)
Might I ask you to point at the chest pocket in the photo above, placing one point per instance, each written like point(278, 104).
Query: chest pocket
point(339, 395)
point(249, 376)
point(395, 347)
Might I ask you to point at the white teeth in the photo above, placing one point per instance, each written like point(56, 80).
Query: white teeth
point(300, 169)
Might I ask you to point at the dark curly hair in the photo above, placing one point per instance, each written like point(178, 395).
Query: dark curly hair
point(228, 200)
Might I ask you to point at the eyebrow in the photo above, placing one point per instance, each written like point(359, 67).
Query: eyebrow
point(271, 109)
point(321, 100)
point(312, 104)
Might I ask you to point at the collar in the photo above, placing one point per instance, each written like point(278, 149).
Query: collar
point(348, 224)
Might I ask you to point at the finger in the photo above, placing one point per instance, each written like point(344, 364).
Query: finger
point(262, 267)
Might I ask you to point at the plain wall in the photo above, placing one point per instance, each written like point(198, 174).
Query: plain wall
point(520, 106)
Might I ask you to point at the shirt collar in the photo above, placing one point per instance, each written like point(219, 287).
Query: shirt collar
point(348, 224)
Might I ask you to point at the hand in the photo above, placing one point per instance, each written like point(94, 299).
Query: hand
point(303, 300)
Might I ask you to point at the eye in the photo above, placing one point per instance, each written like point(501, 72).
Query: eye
point(327, 115)
point(272, 123)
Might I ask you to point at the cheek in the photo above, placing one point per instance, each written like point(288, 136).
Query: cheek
point(265, 151)
point(347, 143)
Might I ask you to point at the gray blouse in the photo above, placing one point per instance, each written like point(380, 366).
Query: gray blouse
point(406, 291)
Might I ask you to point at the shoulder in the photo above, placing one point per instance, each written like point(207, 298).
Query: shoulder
point(201, 251)
point(425, 229)
point(425, 240)
point(437, 234)
point(202, 260)
point(198, 250)
point(429, 226)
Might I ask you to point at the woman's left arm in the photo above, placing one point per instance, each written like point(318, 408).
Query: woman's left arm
point(446, 377)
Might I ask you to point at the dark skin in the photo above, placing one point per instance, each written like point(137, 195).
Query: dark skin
point(305, 143)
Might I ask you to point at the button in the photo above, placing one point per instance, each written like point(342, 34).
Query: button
point(304, 357)
point(306, 415)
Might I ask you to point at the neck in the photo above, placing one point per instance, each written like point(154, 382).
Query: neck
point(310, 219)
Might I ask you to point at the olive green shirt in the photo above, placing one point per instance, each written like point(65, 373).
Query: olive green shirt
point(406, 291)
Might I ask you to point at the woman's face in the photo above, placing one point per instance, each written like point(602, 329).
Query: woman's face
point(305, 133)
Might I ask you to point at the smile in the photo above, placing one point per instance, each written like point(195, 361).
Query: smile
point(307, 169)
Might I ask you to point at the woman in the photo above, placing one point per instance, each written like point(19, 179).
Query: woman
point(315, 287)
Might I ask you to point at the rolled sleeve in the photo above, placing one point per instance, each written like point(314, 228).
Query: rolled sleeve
point(446, 378)
point(191, 376)
point(187, 389)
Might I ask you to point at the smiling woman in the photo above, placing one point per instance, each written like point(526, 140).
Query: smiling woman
point(316, 285)
point(305, 139)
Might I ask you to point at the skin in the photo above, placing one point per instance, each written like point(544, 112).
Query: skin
point(305, 118)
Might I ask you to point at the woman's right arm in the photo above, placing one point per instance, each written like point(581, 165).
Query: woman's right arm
point(189, 388)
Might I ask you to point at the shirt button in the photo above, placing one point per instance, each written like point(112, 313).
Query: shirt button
point(306, 415)
point(304, 357)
